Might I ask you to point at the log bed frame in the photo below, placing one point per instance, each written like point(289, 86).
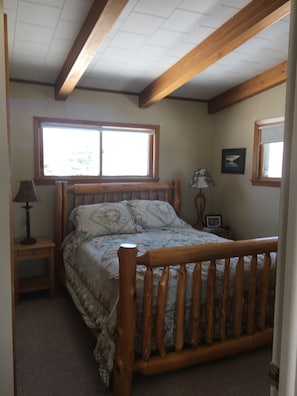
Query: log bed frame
point(203, 347)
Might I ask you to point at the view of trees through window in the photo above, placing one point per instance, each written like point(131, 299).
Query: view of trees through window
point(66, 150)
point(76, 154)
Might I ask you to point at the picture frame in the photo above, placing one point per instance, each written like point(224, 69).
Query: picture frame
point(213, 221)
point(233, 160)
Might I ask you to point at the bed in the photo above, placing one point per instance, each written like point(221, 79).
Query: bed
point(157, 294)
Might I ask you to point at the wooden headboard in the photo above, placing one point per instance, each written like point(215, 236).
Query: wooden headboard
point(69, 196)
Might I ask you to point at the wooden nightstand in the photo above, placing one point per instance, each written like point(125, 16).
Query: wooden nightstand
point(42, 249)
point(224, 232)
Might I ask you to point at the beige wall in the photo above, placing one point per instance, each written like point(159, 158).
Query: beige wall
point(6, 341)
point(185, 139)
point(251, 211)
point(189, 138)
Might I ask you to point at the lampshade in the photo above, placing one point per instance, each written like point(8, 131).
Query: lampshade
point(201, 179)
point(27, 192)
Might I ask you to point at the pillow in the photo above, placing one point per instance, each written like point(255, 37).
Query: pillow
point(103, 219)
point(153, 214)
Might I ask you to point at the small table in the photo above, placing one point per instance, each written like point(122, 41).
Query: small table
point(42, 249)
point(224, 232)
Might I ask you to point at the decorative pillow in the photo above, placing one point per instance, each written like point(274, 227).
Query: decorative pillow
point(153, 214)
point(103, 219)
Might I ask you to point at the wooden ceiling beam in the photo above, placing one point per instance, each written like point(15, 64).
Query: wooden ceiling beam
point(269, 79)
point(251, 20)
point(100, 19)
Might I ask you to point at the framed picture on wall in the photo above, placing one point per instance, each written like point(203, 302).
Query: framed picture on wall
point(233, 160)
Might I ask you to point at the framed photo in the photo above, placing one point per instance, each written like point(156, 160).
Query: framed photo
point(213, 221)
point(233, 160)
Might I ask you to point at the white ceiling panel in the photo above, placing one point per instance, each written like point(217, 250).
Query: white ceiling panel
point(141, 24)
point(37, 14)
point(148, 38)
point(60, 46)
point(127, 40)
point(156, 7)
point(33, 34)
point(51, 3)
point(11, 5)
point(67, 29)
point(75, 10)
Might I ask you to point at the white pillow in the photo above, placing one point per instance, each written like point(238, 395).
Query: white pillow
point(103, 219)
point(153, 214)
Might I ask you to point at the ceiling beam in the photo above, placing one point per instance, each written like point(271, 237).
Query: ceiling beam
point(269, 79)
point(100, 19)
point(251, 20)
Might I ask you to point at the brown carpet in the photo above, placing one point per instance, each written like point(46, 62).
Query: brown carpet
point(54, 356)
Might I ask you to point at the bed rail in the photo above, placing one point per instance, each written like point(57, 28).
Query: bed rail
point(251, 328)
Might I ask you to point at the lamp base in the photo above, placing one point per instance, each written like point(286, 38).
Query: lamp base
point(199, 226)
point(28, 241)
point(200, 205)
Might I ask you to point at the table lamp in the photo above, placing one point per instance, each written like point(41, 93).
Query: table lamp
point(200, 179)
point(27, 193)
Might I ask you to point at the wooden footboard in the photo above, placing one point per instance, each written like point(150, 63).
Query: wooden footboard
point(251, 326)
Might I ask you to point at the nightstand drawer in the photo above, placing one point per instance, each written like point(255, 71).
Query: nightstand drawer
point(33, 253)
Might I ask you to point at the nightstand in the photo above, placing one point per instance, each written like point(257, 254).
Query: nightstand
point(224, 232)
point(42, 249)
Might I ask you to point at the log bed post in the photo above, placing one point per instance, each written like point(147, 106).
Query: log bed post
point(176, 202)
point(126, 321)
point(58, 230)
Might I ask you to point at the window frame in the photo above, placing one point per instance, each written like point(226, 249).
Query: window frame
point(40, 178)
point(258, 153)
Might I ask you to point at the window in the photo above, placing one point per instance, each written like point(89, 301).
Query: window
point(268, 152)
point(82, 151)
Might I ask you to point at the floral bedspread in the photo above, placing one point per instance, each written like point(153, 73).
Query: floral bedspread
point(91, 266)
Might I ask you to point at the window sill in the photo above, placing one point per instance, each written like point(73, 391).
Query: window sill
point(85, 179)
point(266, 182)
